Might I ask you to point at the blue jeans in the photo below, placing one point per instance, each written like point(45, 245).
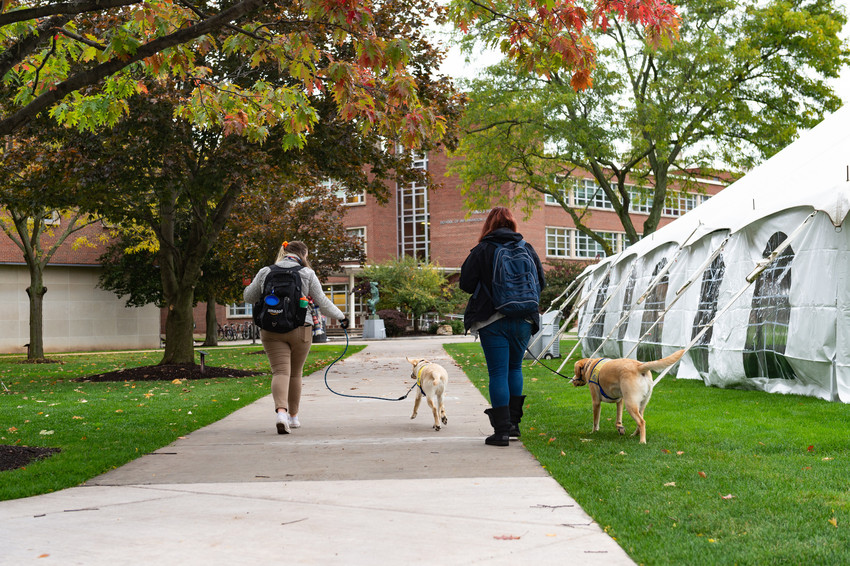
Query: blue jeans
point(504, 342)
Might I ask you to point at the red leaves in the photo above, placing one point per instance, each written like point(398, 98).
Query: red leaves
point(545, 36)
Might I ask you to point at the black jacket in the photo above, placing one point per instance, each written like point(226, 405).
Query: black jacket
point(478, 269)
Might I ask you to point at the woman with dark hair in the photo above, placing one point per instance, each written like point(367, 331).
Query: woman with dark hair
point(504, 338)
point(288, 351)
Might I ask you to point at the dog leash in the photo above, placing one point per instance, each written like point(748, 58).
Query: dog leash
point(547, 367)
point(327, 369)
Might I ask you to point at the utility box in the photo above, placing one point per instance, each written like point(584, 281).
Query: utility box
point(549, 325)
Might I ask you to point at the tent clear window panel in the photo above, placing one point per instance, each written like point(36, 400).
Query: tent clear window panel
point(627, 302)
point(767, 330)
point(594, 333)
point(707, 308)
point(650, 348)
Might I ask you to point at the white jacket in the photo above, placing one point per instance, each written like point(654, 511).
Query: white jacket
point(310, 285)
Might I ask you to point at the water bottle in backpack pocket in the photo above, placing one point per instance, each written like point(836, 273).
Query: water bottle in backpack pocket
point(516, 288)
point(283, 306)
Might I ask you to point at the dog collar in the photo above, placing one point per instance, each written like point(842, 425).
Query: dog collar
point(594, 375)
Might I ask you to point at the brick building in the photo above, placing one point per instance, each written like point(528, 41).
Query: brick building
point(433, 225)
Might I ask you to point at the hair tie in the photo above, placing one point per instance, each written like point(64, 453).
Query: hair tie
point(284, 244)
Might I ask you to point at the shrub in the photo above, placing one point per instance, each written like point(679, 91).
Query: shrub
point(394, 322)
point(457, 327)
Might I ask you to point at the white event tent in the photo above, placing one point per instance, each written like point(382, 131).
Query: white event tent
point(767, 260)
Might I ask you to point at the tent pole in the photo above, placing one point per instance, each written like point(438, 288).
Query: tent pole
point(652, 285)
point(578, 306)
point(563, 305)
point(760, 267)
point(699, 271)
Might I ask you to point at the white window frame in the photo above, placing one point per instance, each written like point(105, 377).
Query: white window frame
point(360, 232)
point(340, 191)
point(240, 310)
point(555, 236)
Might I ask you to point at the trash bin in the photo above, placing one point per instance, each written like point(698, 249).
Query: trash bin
point(549, 325)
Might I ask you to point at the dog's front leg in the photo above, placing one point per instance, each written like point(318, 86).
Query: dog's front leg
point(597, 411)
point(416, 402)
point(620, 428)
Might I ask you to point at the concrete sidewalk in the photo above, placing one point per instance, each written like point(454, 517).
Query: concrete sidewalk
point(359, 484)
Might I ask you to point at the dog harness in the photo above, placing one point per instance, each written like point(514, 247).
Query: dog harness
point(594, 376)
point(419, 377)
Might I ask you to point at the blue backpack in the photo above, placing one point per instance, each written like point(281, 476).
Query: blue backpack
point(516, 289)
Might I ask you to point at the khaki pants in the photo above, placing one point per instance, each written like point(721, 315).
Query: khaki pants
point(287, 354)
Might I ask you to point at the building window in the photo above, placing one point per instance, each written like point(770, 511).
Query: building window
point(650, 348)
point(639, 201)
point(707, 308)
point(340, 191)
point(588, 248)
point(678, 203)
point(414, 221)
point(240, 310)
point(338, 294)
point(767, 331)
point(588, 194)
point(557, 242)
point(52, 219)
point(565, 185)
point(360, 233)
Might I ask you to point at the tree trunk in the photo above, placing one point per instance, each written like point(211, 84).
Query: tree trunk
point(212, 323)
point(36, 292)
point(179, 328)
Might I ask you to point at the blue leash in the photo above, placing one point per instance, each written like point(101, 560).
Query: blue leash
point(358, 396)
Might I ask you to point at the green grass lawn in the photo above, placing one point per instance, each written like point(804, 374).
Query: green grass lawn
point(100, 426)
point(726, 476)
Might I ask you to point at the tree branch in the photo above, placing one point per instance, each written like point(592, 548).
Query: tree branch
point(72, 8)
point(16, 52)
point(95, 74)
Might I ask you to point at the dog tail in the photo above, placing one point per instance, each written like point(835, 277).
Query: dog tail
point(662, 363)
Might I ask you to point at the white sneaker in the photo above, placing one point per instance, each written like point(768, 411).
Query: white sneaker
point(282, 422)
point(294, 422)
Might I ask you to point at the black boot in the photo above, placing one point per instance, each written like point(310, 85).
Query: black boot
point(515, 407)
point(500, 420)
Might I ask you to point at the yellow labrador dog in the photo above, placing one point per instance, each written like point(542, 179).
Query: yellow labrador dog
point(432, 380)
point(618, 381)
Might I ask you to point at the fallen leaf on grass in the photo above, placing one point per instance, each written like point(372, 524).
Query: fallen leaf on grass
point(679, 453)
point(670, 484)
point(729, 496)
point(701, 474)
point(665, 451)
point(176, 382)
point(833, 522)
point(811, 448)
point(826, 459)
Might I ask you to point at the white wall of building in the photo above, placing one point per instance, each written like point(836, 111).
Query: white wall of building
point(78, 316)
